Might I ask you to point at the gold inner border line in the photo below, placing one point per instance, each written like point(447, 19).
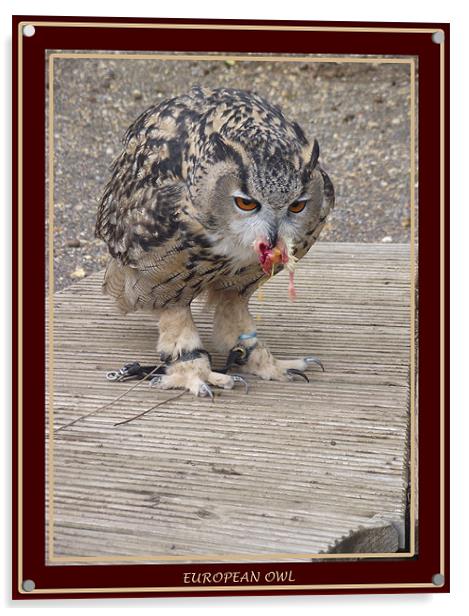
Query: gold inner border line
point(222, 57)
point(412, 350)
point(20, 204)
point(50, 337)
point(224, 558)
point(203, 557)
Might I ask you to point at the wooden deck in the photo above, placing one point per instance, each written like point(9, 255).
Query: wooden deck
point(288, 471)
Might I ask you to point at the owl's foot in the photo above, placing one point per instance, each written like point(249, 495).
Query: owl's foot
point(195, 376)
point(260, 361)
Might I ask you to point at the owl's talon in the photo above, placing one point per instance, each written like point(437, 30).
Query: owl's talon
point(204, 391)
point(312, 359)
point(239, 379)
point(292, 372)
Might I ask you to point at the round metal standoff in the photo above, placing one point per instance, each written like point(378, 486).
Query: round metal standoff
point(29, 30)
point(28, 585)
point(438, 37)
point(438, 579)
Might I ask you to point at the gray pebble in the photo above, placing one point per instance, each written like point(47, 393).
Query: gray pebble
point(73, 243)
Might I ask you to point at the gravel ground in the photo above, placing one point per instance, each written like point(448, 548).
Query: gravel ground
point(358, 112)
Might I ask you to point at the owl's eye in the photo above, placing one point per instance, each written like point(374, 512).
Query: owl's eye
point(297, 207)
point(247, 205)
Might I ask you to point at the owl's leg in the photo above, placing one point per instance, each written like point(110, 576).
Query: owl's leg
point(187, 364)
point(235, 334)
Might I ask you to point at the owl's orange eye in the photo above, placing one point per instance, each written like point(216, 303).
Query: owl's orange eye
point(297, 207)
point(247, 205)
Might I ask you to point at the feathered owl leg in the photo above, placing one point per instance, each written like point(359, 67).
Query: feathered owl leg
point(187, 364)
point(235, 334)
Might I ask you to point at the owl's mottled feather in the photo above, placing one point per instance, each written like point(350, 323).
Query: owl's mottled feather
point(162, 214)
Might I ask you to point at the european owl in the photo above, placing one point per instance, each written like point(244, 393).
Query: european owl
point(214, 192)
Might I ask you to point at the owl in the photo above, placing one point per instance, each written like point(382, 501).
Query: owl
point(215, 191)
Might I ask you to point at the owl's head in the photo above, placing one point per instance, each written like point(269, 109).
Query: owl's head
point(260, 202)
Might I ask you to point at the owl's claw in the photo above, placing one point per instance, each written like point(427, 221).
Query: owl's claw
point(239, 379)
point(292, 372)
point(204, 391)
point(314, 360)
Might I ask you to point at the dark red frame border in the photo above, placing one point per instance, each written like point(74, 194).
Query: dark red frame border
point(378, 571)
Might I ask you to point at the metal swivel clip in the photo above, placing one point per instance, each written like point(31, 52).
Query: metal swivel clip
point(129, 371)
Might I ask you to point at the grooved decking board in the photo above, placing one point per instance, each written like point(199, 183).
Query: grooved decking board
point(289, 470)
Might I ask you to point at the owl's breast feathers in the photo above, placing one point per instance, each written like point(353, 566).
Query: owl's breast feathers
point(161, 251)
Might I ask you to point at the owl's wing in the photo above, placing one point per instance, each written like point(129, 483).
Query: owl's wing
point(136, 222)
point(143, 205)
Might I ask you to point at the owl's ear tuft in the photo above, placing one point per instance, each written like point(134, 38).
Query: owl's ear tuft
point(314, 156)
point(312, 162)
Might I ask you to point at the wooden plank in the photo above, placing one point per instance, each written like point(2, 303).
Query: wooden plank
point(287, 471)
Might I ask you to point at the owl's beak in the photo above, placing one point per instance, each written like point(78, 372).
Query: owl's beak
point(270, 255)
